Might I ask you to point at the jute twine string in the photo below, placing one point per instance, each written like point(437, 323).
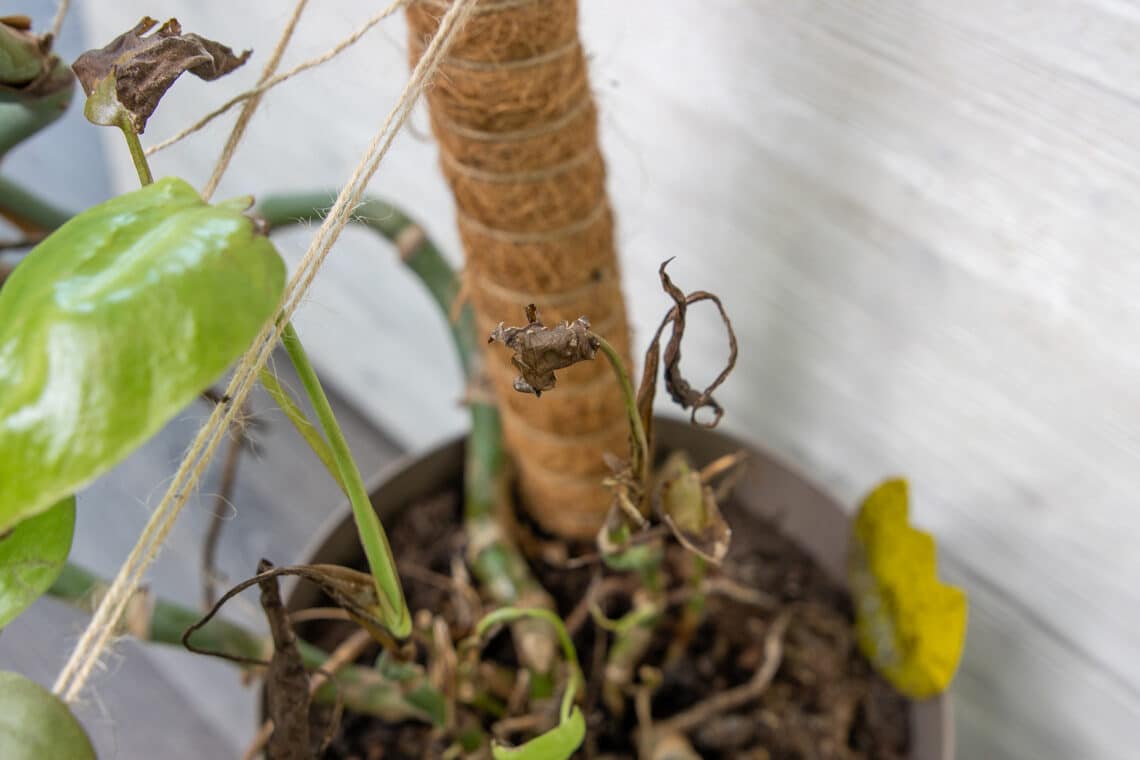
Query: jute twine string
point(272, 82)
point(251, 105)
point(516, 125)
point(100, 630)
point(57, 20)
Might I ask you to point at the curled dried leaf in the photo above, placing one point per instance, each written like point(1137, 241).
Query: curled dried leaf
point(680, 389)
point(540, 350)
point(128, 77)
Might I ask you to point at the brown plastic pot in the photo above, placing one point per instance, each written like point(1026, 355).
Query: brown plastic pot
point(771, 489)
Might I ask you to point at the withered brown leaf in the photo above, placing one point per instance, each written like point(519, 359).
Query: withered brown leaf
point(679, 388)
point(540, 350)
point(129, 76)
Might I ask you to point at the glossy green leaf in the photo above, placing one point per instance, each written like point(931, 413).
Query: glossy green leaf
point(113, 324)
point(35, 725)
point(32, 556)
point(910, 626)
point(558, 743)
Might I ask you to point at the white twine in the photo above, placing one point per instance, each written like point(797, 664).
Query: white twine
point(96, 638)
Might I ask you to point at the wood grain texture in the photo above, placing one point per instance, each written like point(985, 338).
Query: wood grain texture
point(922, 215)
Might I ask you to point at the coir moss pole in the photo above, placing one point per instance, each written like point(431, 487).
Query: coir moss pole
point(516, 124)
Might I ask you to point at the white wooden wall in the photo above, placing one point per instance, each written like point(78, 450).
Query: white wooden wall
point(922, 215)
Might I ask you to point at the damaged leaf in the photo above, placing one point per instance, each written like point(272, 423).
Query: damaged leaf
point(127, 78)
point(679, 388)
point(35, 85)
point(540, 350)
point(690, 509)
point(287, 682)
point(909, 625)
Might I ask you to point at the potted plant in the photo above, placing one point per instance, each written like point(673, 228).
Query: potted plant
point(634, 630)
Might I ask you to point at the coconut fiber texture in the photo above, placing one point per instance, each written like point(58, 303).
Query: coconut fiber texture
point(516, 124)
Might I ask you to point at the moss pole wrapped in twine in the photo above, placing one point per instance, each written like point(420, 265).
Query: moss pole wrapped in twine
point(517, 130)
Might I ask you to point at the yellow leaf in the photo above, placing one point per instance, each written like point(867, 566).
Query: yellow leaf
point(909, 625)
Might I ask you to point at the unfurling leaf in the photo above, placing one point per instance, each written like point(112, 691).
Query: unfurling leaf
point(909, 625)
point(540, 350)
point(689, 508)
point(32, 555)
point(112, 325)
point(35, 725)
point(128, 77)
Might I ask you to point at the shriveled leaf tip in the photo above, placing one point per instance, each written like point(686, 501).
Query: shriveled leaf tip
point(128, 77)
point(540, 350)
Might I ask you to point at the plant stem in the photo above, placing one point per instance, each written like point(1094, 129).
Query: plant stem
point(641, 453)
point(138, 156)
point(33, 215)
point(372, 536)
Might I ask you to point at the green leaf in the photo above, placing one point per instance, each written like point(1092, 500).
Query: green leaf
point(32, 556)
point(113, 324)
point(909, 625)
point(34, 725)
point(558, 743)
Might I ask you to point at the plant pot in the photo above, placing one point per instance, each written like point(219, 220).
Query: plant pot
point(769, 488)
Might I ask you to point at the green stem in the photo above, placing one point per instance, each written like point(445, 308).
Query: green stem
point(138, 156)
point(375, 542)
point(29, 212)
point(362, 689)
point(641, 453)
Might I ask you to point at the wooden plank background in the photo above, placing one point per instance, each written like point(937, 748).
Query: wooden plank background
point(922, 216)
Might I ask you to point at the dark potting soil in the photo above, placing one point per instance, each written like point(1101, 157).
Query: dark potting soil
point(823, 703)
